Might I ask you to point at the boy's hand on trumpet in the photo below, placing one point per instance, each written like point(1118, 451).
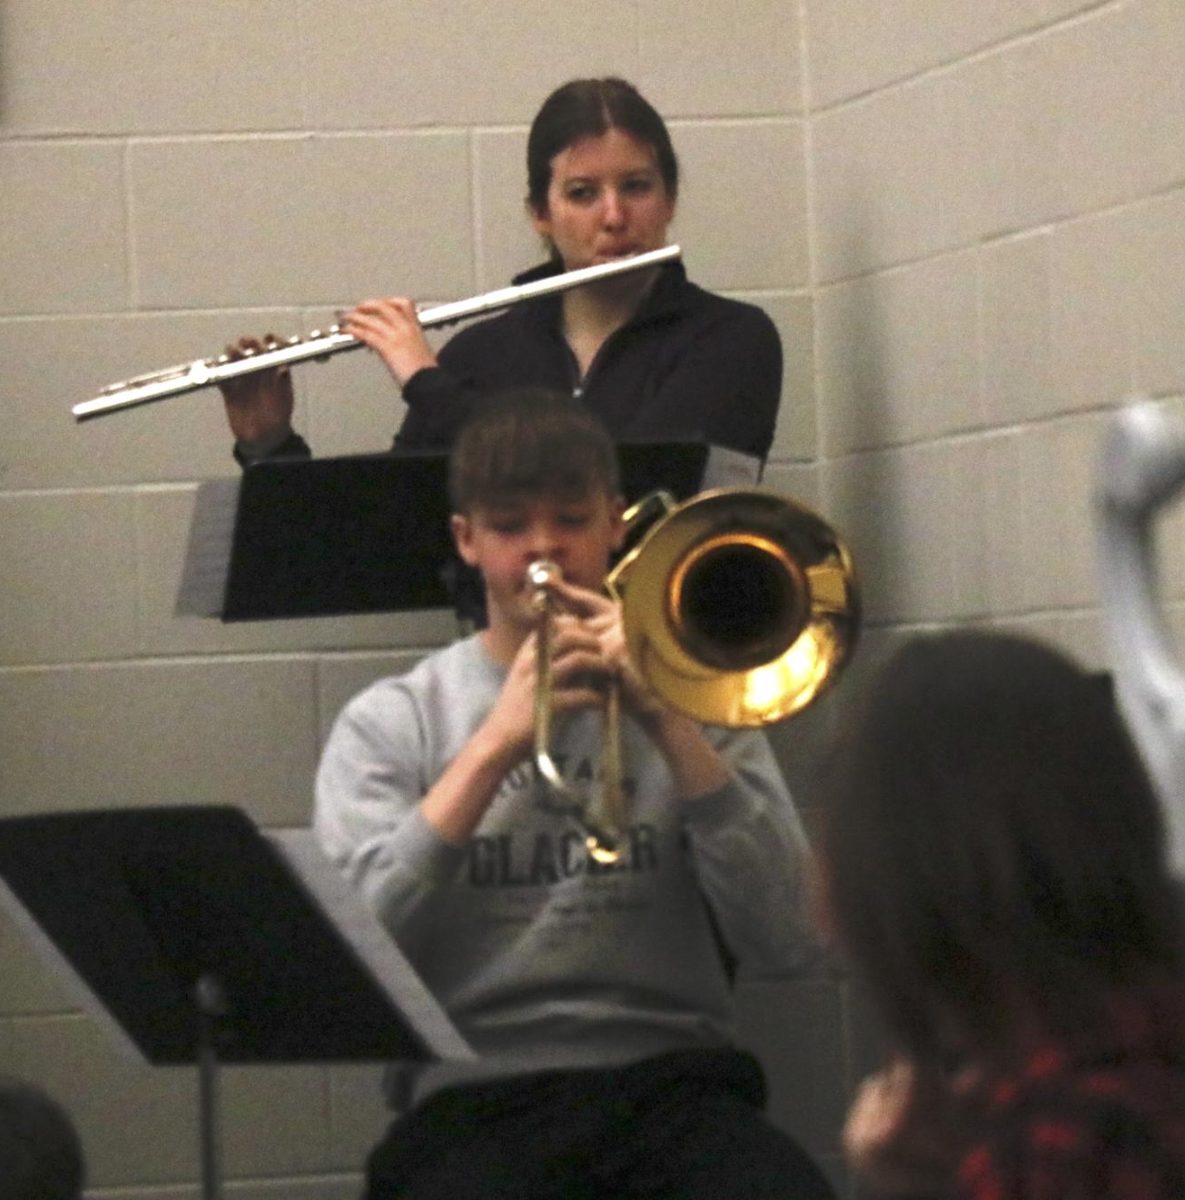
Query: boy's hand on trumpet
point(696, 766)
point(457, 801)
point(576, 663)
point(601, 616)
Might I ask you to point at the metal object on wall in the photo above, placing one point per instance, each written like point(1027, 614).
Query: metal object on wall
point(1140, 471)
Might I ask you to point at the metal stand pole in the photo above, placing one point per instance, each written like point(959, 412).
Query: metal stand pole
point(210, 1001)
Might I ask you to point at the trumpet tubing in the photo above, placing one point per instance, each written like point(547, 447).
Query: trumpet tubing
point(602, 820)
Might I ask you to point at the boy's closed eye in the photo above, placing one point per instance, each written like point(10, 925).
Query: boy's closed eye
point(506, 525)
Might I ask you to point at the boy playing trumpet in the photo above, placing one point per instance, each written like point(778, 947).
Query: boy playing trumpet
point(598, 996)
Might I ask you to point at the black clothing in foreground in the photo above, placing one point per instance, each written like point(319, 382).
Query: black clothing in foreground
point(683, 1126)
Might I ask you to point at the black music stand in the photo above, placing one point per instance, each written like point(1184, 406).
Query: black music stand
point(193, 937)
point(355, 534)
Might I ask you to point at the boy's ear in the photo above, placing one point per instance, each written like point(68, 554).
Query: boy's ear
point(462, 530)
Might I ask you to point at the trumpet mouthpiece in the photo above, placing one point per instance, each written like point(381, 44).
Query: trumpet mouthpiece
point(542, 573)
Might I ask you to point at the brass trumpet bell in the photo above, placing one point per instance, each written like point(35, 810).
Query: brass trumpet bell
point(739, 607)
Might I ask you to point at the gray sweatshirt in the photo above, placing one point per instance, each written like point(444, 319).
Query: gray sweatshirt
point(542, 957)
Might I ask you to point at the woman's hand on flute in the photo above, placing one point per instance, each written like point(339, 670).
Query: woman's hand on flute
point(392, 329)
point(258, 405)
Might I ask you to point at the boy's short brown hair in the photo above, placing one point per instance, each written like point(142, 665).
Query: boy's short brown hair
point(529, 442)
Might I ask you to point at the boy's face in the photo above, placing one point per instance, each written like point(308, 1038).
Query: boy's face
point(502, 538)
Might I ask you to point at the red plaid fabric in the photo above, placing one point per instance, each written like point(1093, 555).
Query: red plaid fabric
point(1105, 1119)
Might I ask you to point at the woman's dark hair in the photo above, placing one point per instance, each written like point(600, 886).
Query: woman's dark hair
point(528, 442)
point(589, 108)
point(994, 854)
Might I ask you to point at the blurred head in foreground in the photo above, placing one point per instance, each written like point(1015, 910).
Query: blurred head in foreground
point(994, 859)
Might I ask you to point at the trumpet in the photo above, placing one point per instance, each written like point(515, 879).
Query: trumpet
point(603, 823)
point(739, 608)
point(318, 345)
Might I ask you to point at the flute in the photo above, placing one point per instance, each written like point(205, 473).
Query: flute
point(206, 372)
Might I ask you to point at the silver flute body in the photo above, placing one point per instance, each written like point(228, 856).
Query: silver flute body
point(206, 372)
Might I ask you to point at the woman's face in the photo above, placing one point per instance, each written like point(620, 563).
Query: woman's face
point(606, 200)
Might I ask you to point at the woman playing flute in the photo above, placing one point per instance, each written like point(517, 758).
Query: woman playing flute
point(653, 355)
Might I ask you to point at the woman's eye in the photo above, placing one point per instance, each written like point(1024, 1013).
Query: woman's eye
point(638, 187)
point(581, 195)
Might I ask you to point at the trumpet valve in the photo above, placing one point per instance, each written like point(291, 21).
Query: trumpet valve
point(542, 575)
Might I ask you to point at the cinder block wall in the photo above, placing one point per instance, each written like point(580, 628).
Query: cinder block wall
point(965, 218)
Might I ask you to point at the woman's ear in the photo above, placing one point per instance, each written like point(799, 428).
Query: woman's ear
point(540, 219)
